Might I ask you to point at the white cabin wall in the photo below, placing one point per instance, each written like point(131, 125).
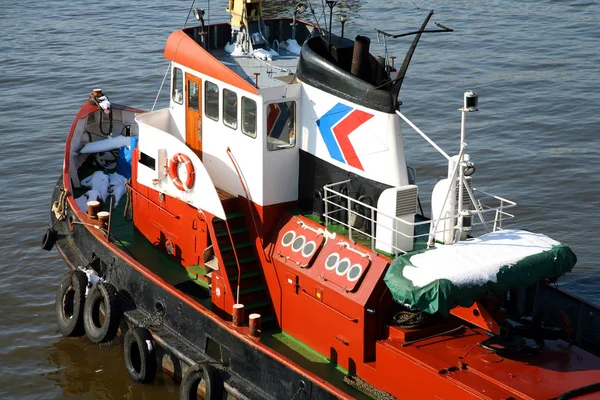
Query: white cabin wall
point(247, 151)
point(178, 110)
point(280, 167)
point(217, 137)
point(162, 145)
point(377, 142)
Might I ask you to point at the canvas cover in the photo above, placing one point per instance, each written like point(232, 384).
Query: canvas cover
point(441, 278)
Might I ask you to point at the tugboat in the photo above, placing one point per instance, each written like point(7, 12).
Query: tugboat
point(263, 236)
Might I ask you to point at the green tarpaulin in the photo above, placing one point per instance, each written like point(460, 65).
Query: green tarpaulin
point(442, 294)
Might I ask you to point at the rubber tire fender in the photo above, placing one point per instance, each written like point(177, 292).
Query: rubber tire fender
point(195, 375)
point(69, 305)
point(102, 331)
point(49, 239)
point(140, 356)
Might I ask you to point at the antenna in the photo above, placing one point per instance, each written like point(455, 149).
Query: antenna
point(331, 4)
point(397, 82)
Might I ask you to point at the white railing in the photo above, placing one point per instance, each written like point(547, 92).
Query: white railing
point(345, 210)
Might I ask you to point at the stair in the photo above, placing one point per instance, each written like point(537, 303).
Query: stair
point(254, 294)
point(200, 275)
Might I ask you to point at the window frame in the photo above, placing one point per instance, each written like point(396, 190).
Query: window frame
point(233, 126)
point(189, 98)
point(177, 72)
point(214, 117)
point(270, 145)
point(249, 134)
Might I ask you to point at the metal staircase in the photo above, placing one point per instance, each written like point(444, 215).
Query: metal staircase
point(253, 290)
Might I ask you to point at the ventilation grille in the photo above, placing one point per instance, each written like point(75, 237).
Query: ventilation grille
point(466, 205)
point(406, 200)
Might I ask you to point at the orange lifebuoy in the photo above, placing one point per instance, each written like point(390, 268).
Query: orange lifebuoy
point(174, 174)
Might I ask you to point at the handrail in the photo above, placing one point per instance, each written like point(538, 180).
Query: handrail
point(237, 297)
point(239, 174)
point(262, 245)
point(333, 206)
point(237, 261)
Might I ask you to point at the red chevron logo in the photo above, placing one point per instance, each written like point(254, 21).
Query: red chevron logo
point(343, 129)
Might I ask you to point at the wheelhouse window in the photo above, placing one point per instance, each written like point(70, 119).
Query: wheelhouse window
point(177, 86)
point(248, 117)
point(281, 125)
point(193, 95)
point(230, 108)
point(211, 100)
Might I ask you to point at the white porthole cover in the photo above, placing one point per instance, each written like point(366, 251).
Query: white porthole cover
point(332, 261)
point(354, 272)
point(288, 238)
point(342, 267)
point(309, 248)
point(298, 243)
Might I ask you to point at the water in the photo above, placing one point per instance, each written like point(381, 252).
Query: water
point(534, 65)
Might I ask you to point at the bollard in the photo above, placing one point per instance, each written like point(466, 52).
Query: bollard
point(103, 217)
point(93, 208)
point(238, 314)
point(254, 325)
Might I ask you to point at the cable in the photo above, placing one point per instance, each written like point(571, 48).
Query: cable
point(161, 86)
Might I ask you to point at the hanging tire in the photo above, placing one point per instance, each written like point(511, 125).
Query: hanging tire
point(69, 305)
point(49, 239)
point(140, 357)
point(102, 298)
point(196, 374)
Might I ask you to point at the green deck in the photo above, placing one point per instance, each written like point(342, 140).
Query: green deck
point(128, 238)
point(309, 359)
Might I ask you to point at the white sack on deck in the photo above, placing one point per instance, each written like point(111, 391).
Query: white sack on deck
point(107, 144)
point(234, 49)
point(292, 46)
point(117, 187)
point(264, 55)
point(97, 181)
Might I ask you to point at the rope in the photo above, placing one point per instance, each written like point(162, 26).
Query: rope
point(413, 320)
point(300, 390)
point(128, 212)
point(59, 206)
point(151, 320)
point(367, 388)
point(161, 86)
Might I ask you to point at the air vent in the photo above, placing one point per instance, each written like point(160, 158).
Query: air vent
point(467, 205)
point(406, 200)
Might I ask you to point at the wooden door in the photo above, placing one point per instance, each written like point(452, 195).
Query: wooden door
point(193, 114)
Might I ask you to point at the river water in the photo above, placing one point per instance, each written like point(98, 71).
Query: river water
point(535, 140)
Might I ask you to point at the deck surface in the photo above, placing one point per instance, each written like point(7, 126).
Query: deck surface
point(270, 72)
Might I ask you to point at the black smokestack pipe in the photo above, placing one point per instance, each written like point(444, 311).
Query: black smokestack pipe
point(360, 57)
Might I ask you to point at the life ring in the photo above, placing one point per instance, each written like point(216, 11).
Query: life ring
point(70, 299)
point(140, 356)
point(98, 330)
point(49, 239)
point(189, 169)
point(192, 378)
